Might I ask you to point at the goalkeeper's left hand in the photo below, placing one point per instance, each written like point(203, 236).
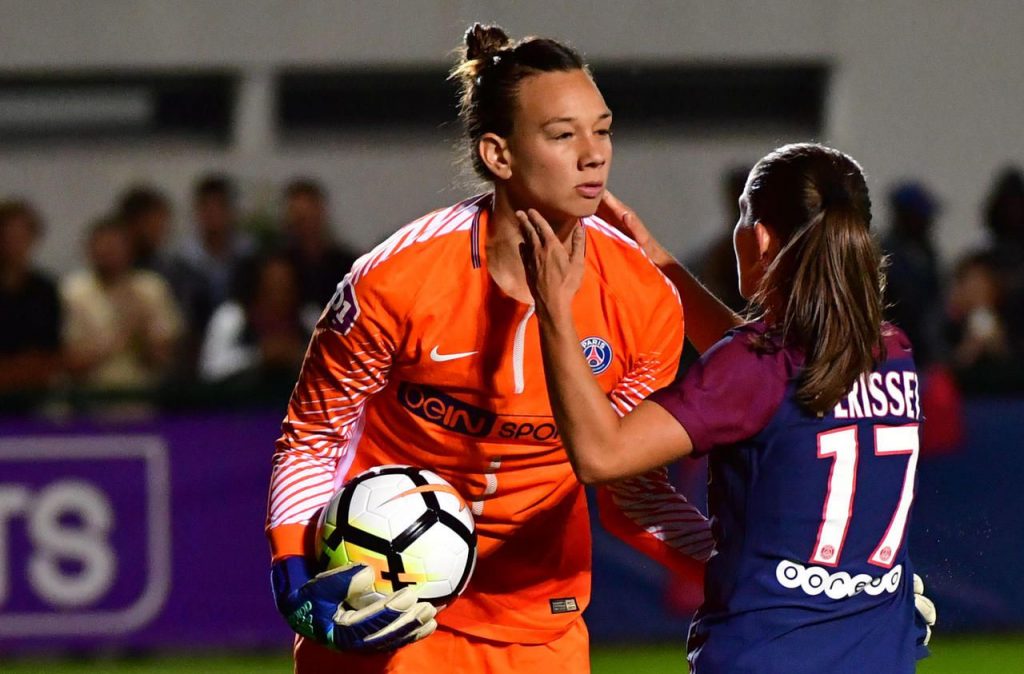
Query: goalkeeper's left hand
point(925, 609)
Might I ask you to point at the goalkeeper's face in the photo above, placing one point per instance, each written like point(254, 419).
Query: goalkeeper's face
point(560, 149)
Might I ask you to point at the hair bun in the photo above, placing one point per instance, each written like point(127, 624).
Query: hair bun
point(484, 41)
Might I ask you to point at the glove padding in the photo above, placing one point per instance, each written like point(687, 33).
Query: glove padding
point(320, 608)
point(390, 622)
point(925, 608)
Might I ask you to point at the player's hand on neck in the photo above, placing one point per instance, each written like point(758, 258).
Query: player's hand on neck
point(504, 262)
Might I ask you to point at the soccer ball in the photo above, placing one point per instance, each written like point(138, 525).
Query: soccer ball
point(408, 524)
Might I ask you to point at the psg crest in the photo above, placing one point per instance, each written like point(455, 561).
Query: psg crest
point(598, 354)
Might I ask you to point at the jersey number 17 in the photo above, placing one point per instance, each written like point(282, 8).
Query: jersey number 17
point(841, 446)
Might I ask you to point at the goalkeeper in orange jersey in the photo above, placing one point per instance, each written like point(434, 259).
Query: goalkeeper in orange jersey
point(429, 355)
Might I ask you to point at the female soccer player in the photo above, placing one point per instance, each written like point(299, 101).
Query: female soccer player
point(809, 414)
point(429, 355)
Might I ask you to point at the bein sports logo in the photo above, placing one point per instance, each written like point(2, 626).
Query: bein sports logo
point(598, 354)
point(443, 410)
point(814, 580)
point(344, 307)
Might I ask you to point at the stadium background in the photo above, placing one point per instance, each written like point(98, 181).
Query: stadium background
point(96, 96)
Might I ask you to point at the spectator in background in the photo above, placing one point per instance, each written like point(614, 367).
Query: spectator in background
point(30, 310)
point(146, 213)
point(715, 266)
point(206, 270)
point(258, 342)
point(1004, 220)
point(122, 323)
point(914, 289)
point(321, 262)
point(982, 355)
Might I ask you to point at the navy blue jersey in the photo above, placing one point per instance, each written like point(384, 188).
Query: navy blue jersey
point(812, 572)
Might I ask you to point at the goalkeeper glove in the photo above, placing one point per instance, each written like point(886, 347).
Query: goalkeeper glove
point(925, 609)
point(319, 608)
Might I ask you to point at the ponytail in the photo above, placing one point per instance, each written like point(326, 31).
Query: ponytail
point(825, 287)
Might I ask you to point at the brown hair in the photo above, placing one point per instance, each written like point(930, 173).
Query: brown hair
point(111, 222)
point(824, 289)
point(489, 71)
point(215, 185)
point(305, 187)
point(1009, 186)
point(141, 200)
point(18, 209)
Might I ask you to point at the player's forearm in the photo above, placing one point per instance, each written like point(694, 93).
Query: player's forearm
point(586, 422)
point(340, 373)
point(305, 462)
point(707, 318)
point(652, 503)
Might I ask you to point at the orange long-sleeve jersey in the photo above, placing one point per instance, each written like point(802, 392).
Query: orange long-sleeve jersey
point(422, 359)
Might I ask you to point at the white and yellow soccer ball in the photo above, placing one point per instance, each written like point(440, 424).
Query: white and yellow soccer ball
point(409, 525)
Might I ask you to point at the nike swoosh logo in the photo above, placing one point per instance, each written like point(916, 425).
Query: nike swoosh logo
point(442, 357)
point(447, 489)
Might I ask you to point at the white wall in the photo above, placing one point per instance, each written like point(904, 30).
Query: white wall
point(937, 92)
point(924, 88)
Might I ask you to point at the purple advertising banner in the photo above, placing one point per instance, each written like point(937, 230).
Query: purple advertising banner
point(150, 536)
point(136, 535)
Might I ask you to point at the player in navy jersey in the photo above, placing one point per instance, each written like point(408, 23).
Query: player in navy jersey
point(809, 414)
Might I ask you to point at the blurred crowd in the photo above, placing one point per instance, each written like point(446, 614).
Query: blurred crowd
point(224, 314)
